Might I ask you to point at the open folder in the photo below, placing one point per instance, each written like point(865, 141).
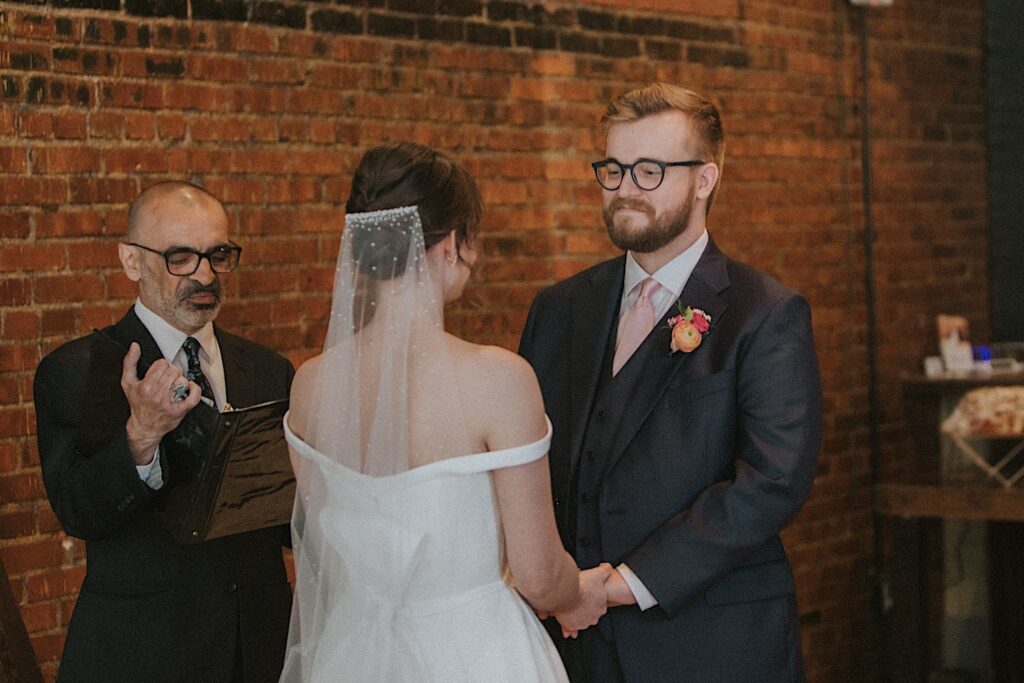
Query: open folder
point(229, 472)
point(225, 472)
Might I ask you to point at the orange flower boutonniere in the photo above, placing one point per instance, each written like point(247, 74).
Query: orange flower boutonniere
point(688, 328)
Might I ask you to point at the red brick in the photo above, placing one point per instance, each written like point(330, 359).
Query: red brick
point(20, 324)
point(171, 126)
point(98, 317)
point(33, 124)
point(292, 191)
point(131, 95)
point(221, 130)
point(10, 391)
point(60, 160)
point(15, 292)
point(276, 71)
point(10, 459)
point(54, 583)
point(319, 163)
point(47, 647)
point(17, 523)
point(14, 422)
point(32, 191)
point(120, 287)
point(92, 255)
point(195, 97)
point(13, 159)
point(8, 121)
point(106, 125)
point(14, 225)
point(39, 617)
point(19, 487)
point(59, 321)
point(70, 126)
point(94, 189)
point(68, 224)
point(139, 126)
point(67, 288)
point(46, 523)
point(217, 68)
point(146, 160)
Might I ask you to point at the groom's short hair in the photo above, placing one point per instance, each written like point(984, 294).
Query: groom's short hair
point(655, 98)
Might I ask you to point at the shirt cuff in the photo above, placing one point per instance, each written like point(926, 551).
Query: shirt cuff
point(151, 474)
point(644, 599)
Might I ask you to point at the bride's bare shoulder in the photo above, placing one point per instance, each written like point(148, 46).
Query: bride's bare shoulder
point(492, 364)
point(301, 394)
point(509, 400)
point(306, 374)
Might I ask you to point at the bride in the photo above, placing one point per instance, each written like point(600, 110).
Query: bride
point(423, 517)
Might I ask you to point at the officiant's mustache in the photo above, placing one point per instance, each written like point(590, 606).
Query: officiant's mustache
point(190, 288)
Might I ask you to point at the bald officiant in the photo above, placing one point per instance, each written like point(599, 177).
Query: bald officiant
point(150, 608)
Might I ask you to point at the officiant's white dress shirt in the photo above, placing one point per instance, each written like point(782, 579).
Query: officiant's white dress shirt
point(169, 340)
point(672, 277)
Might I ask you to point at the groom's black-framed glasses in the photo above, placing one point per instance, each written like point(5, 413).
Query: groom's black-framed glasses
point(647, 174)
point(184, 261)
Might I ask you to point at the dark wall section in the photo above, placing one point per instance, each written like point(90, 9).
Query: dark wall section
point(1005, 73)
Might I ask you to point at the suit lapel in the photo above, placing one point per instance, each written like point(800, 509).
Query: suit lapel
point(592, 319)
point(647, 374)
point(238, 377)
point(130, 329)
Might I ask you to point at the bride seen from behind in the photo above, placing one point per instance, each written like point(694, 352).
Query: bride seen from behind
point(421, 460)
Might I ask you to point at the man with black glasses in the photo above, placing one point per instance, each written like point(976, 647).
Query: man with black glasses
point(685, 396)
point(151, 609)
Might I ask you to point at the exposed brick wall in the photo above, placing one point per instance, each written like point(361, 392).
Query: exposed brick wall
point(269, 104)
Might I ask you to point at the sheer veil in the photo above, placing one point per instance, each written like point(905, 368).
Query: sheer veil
point(385, 318)
point(384, 303)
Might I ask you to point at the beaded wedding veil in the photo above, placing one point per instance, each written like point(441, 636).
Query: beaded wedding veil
point(385, 315)
point(384, 300)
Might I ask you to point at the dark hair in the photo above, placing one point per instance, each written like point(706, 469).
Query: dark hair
point(407, 174)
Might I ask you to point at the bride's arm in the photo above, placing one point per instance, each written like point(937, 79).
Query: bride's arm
point(545, 574)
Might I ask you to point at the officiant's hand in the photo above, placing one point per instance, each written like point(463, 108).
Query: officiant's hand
point(154, 412)
point(592, 603)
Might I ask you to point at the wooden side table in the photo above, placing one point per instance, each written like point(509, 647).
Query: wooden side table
point(948, 593)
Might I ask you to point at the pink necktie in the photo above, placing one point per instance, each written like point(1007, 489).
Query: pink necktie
point(636, 327)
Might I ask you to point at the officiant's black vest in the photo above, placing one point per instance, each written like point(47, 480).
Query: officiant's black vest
point(610, 400)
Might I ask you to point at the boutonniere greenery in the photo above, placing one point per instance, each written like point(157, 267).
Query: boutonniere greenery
point(688, 328)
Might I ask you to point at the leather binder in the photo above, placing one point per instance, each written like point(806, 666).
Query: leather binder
point(229, 472)
point(224, 473)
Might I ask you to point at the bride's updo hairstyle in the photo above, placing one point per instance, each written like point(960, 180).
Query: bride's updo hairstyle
point(407, 174)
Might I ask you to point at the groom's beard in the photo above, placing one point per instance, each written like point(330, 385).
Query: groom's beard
point(659, 231)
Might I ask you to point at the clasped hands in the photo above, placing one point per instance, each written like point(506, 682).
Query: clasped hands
point(600, 588)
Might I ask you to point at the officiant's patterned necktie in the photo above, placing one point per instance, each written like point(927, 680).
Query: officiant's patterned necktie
point(195, 372)
point(637, 325)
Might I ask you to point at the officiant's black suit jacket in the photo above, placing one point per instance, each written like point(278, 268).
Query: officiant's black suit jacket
point(151, 609)
point(685, 466)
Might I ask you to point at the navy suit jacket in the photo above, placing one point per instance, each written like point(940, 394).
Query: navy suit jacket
point(705, 457)
point(151, 609)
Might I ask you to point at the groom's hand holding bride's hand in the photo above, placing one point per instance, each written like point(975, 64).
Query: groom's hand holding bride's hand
point(592, 602)
point(618, 590)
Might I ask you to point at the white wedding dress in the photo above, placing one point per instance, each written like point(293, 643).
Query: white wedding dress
point(423, 596)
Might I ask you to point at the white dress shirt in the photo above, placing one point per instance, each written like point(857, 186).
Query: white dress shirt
point(169, 340)
point(672, 277)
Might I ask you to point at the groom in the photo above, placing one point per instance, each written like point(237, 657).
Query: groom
point(684, 391)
